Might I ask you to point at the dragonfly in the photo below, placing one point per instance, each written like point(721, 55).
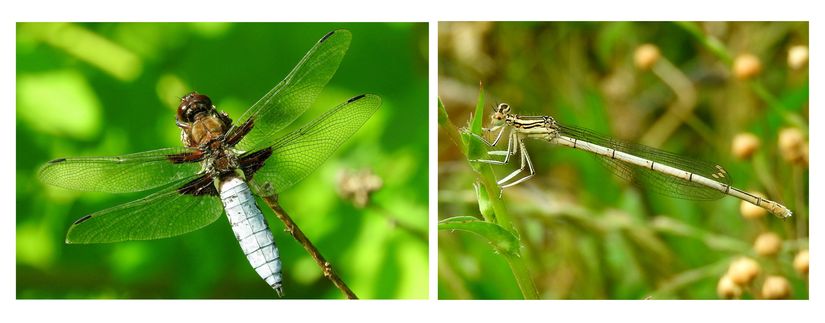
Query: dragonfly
point(221, 165)
point(667, 173)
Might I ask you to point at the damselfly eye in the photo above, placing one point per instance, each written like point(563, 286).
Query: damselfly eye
point(504, 108)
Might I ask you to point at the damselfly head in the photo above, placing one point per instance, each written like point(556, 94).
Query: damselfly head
point(500, 112)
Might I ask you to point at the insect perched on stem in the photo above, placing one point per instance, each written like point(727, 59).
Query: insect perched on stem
point(667, 173)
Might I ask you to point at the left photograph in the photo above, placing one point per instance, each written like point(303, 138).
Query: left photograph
point(221, 161)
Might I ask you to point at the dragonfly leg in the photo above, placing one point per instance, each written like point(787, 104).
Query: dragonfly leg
point(525, 159)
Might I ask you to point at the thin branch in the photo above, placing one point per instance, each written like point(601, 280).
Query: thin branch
point(295, 231)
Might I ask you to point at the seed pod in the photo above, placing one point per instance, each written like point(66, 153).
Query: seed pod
point(727, 289)
point(792, 145)
point(743, 270)
point(767, 244)
point(800, 262)
point(776, 287)
point(744, 145)
point(746, 66)
point(798, 56)
point(646, 55)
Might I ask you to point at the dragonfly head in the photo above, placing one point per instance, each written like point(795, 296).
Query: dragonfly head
point(191, 105)
point(500, 113)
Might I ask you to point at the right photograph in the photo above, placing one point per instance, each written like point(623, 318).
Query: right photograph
point(623, 160)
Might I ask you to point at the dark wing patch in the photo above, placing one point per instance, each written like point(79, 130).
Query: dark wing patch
point(199, 187)
point(237, 133)
point(251, 163)
point(187, 157)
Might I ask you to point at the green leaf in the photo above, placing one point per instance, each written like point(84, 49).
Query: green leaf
point(501, 239)
point(484, 204)
point(475, 127)
point(452, 131)
point(475, 148)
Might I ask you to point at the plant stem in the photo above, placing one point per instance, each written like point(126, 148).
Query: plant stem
point(295, 231)
point(484, 174)
point(448, 126)
point(522, 275)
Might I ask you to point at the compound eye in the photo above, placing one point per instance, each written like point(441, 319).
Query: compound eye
point(504, 107)
point(191, 105)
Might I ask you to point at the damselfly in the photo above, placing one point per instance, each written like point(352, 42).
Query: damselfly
point(668, 173)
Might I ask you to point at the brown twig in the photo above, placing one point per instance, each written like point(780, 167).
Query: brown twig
point(295, 231)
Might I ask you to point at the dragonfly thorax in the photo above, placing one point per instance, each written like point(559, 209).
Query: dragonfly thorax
point(221, 159)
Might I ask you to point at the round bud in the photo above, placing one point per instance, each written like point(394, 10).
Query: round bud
point(767, 244)
point(776, 287)
point(727, 289)
point(750, 211)
point(746, 66)
point(800, 262)
point(798, 56)
point(744, 145)
point(646, 55)
point(792, 145)
point(743, 270)
point(805, 157)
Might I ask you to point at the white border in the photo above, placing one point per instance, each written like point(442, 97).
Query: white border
point(405, 311)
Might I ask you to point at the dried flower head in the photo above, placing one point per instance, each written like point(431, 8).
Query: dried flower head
point(800, 262)
point(356, 186)
point(792, 145)
point(798, 56)
point(646, 55)
point(727, 289)
point(743, 270)
point(767, 244)
point(744, 145)
point(746, 66)
point(776, 287)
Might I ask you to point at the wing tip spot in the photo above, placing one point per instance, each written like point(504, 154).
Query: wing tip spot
point(59, 160)
point(356, 98)
point(83, 219)
point(326, 36)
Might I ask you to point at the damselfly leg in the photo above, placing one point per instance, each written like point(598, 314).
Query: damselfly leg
point(514, 145)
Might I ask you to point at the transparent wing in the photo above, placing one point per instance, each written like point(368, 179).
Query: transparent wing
point(291, 98)
point(164, 214)
point(120, 174)
point(300, 152)
point(657, 182)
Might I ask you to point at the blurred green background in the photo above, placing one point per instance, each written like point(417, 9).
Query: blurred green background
point(112, 88)
point(587, 234)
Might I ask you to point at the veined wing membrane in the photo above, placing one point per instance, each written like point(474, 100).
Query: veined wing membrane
point(290, 99)
point(119, 174)
point(300, 152)
point(660, 183)
point(164, 214)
